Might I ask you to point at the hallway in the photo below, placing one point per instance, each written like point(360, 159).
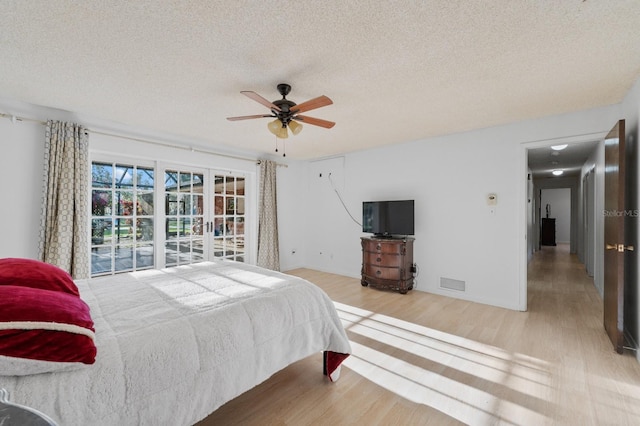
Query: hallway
point(595, 384)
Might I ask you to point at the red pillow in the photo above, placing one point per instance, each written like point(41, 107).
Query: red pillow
point(43, 325)
point(36, 274)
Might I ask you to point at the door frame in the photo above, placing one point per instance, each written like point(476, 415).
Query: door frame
point(588, 221)
point(523, 202)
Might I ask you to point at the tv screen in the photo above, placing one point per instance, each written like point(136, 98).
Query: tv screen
point(388, 218)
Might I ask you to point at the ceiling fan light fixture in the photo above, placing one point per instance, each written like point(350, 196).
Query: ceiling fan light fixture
point(274, 126)
point(282, 132)
point(559, 147)
point(557, 172)
point(295, 127)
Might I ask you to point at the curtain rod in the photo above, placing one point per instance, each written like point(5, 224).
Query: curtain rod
point(15, 118)
point(277, 164)
point(168, 144)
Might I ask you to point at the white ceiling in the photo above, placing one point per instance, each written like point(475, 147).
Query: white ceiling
point(396, 70)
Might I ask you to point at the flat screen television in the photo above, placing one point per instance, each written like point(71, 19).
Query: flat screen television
point(388, 218)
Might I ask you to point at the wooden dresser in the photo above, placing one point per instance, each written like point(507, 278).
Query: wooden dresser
point(548, 232)
point(387, 263)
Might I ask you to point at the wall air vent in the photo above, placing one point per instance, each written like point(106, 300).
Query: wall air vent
point(451, 284)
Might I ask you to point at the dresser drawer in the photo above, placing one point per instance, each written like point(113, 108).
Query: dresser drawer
point(375, 246)
point(382, 259)
point(383, 273)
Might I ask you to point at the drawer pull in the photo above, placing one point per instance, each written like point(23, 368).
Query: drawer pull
point(378, 272)
point(378, 247)
point(378, 260)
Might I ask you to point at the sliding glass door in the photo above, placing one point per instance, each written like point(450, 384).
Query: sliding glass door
point(148, 215)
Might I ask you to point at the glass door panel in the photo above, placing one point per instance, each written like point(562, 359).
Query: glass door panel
point(184, 239)
point(121, 217)
point(228, 217)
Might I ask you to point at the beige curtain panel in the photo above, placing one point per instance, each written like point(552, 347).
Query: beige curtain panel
point(64, 230)
point(268, 245)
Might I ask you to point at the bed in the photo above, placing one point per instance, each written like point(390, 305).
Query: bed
point(173, 345)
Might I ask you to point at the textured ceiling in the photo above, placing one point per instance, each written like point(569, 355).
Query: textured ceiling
point(396, 70)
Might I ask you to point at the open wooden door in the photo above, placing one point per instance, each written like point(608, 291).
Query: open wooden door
point(614, 235)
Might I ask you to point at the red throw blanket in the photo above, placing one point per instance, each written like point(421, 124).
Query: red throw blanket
point(332, 362)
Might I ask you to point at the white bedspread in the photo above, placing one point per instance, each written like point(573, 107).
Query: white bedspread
point(176, 344)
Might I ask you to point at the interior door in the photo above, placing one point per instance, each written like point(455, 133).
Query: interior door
point(614, 235)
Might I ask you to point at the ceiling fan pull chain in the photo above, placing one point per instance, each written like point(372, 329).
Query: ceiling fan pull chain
point(276, 144)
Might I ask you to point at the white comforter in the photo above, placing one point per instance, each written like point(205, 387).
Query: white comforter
point(176, 344)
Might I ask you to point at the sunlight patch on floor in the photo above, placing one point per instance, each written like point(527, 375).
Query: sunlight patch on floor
point(467, 380)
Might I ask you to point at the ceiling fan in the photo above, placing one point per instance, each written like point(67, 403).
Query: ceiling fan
point(287, 113)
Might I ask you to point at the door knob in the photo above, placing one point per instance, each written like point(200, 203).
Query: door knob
point(619, 247)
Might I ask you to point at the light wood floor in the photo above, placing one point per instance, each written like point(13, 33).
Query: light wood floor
point(423, 359)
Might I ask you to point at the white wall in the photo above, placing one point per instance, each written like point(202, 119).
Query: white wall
point(559, 201)
point(531, 216)
point(593, 239)
point(572, 184)
point(449, 178)
point(292, 180)
point(21, 165)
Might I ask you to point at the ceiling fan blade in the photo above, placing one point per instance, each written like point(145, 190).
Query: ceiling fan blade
point(260, 99)
point(248, 117)
point(314, 103)
point(315, 121)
